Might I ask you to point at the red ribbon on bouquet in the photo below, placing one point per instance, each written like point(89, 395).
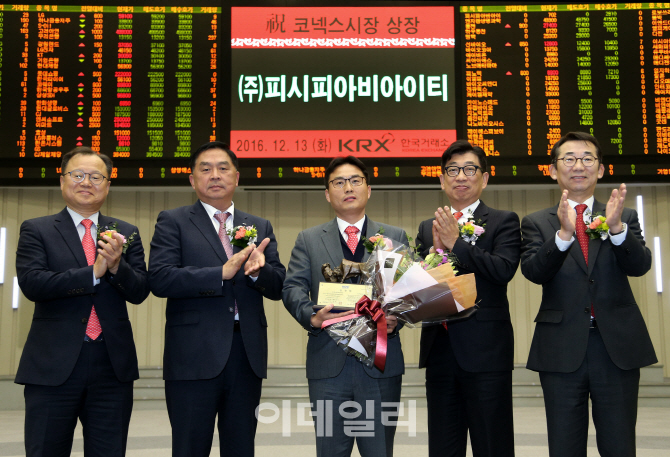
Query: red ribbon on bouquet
point(367, 307)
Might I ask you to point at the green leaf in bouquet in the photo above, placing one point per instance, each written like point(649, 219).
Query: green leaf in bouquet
point(403, 266)
point(432, 261)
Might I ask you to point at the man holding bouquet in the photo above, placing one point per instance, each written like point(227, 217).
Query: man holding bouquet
point(469, 363)
point(334, 377)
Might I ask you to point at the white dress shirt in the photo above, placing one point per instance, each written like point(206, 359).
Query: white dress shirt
point(342, 225)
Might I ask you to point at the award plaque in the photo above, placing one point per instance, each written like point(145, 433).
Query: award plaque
point(343, 296)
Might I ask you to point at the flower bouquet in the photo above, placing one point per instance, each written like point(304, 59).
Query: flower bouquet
point(416, 291)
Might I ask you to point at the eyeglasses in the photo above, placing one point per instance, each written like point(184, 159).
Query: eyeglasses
point(355, 181)
point(468, 170)
point(79, 176)
point(570, 162)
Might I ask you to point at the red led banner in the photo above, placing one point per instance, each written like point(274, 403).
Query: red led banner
point(345, 27)
point(331, 143)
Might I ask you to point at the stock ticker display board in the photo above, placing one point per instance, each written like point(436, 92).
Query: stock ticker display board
point(531, 73)
point(302, 85)
point(138, 83)
point(391, 85)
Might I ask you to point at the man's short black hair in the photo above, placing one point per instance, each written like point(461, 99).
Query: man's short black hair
point(576, 136)
point(463, 147)
point(213, 145)
point(85, 150)
point(339, 161)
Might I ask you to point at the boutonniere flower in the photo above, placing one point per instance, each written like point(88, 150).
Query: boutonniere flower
point(596, 227)
point(110, 229)
point(471, 230)
point(243, 235)
point(378, 240)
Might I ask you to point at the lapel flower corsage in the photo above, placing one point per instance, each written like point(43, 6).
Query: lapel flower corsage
point(111, 229)
point(596, 227)
point(371, 243)
point(243, 235)
point(471, 230)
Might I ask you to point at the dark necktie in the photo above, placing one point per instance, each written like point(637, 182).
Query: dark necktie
point(93, 328)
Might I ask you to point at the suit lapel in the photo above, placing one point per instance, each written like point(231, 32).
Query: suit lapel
point(103, 222)
point(594, 245)
point(372, 230)
point(204, 225)
point(482, 212)
point(481, 217)
point(331, 242)
point(553, 218)
point(65, 226)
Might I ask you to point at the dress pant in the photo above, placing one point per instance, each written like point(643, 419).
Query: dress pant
point(460, 401)
point(613, 393)
point(234, 395)
point(91, 394)
point(348, 407)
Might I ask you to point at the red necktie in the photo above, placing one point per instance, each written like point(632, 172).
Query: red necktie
point(583, 238)
point(580, 229)
point(352, 239)
point(223, 236)
point(93, 329)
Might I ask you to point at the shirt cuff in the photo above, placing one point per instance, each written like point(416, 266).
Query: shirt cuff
point(563, 245)
point(619, 238)
point(253, 279)
point(96, 281)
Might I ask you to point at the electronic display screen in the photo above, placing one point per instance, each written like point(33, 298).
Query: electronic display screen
point(312, 83)
point(139, 83)
point(296, 86)
point(532, 73)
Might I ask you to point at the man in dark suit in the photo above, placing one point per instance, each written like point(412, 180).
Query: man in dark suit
point(334, 377)
point(469, 363)
point(79, 360)
point(590, 338)
point(216, 332)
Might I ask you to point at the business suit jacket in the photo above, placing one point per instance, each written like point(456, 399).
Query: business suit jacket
point(569, 288)
point(185, 266)
point(484, 342)
point(53, 272)
point(314, 247)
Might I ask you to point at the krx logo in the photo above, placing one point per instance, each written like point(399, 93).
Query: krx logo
point(364, 145)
